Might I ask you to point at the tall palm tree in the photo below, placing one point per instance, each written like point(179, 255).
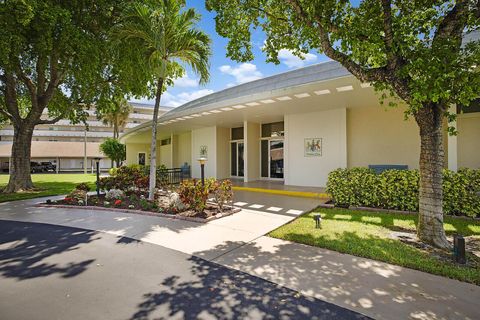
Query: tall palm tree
point(117, 115)
point(167, 36)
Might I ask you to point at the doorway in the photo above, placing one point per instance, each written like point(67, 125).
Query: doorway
point(272, 154)
point(237, 162)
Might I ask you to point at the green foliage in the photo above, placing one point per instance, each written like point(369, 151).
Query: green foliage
point(411, 48)
point(222, 192)
point(83, 186)
point(195, 196)
point(398, 189)
point(127, 178)
point(112, 171)
point(77, 195)
point(115, 113)
point(114, 149)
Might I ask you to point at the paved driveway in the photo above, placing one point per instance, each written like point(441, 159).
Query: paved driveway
point(57, 272)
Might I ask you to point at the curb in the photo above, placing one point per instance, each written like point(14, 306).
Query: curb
point(143, 213)
point(302, 194)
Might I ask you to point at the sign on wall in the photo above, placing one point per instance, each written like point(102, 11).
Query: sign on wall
point(203, 152)
point(313, 147)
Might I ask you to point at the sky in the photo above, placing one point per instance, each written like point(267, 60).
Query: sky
point(224, 72)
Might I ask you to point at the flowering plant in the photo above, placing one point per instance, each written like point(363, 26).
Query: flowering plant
point(117, 202)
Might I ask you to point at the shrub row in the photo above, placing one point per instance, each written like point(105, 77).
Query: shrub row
point(398, 189)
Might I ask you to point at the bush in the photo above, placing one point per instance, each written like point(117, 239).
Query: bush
point(115, 194)
point(77, 195)
point(126, 178)
point(83, 186)
point(112, 172)
point(398, 189)
point(222, 192)
point(193, 194)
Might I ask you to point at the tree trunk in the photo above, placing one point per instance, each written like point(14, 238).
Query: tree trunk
point(153, 147)
point(430, 223)
point(20, 177)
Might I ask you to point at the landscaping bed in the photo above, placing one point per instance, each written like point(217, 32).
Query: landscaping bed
point(388, 237)
point(127, 190)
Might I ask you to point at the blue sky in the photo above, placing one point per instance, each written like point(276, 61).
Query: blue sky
point(225, 72)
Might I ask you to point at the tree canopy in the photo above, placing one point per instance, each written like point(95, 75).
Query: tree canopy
point(114, 149)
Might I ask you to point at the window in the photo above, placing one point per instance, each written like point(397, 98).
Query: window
point(141, 158)
point(165, 142)
point(275, 129)
point(473, 107)
point(237, 133)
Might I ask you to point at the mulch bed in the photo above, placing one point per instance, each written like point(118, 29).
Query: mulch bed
point(210, 213)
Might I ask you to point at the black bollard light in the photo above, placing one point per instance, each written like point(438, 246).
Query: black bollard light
point(459, 249)
point(202, 161)
point(97, 161)
point(318, 220)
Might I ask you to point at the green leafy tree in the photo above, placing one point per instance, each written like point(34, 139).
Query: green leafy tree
point(115, 114)
point(114, 149)
point(56, 58)
point(410, 49)
point(165, 34)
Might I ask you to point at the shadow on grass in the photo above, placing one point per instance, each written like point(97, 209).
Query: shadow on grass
point(32, 250)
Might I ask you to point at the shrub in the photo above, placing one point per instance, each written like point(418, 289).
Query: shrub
point(112, 172)
point(126, 178)
point(114, 194)
point(193, 194)
point(76, 196)
point(222, 191)
point(83, 186)
point(398, 189)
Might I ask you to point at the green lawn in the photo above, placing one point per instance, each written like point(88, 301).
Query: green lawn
point(366, 234)
point(48, 185)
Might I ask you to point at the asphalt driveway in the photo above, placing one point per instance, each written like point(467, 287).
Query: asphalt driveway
point(58, 272)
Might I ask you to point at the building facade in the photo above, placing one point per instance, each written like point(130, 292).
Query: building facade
point(296, 127)
point(66, 144)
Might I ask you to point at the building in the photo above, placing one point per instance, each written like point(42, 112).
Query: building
point(66, 144)
point(296, 127)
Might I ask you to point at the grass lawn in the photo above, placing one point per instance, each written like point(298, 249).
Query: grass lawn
point(367, 234)
point(48, 185)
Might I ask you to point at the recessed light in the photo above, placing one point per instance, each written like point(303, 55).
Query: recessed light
point(320, 92)
point(188, 117)
point(227, 109)
point(205, 113)
point(196, 115)
point(267, 101)
point(284, 98)
point(252, 104)
point(238, 106)
point(302, 95)
point(345, 88)
point(215, 111)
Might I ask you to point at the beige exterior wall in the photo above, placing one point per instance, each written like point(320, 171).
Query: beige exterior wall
point(330, 126)
point(165, 156)
point(182, 149)
point(204, 137)
point(133, 149)
point(251, 133)
point(379, 136)
point(468, 139)
point(223, 151)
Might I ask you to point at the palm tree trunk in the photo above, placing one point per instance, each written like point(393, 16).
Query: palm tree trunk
point(20, 177)
point(153, 147)
point(430, 223)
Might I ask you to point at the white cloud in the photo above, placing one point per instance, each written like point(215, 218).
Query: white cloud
point(244, 72)
point(286, 56)
point(172, 100)
point(185, 82)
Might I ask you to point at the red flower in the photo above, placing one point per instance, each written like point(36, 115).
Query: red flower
point(68, 199)
point(117, 202)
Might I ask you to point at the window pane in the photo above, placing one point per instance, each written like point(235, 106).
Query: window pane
point(265, 158)
point(240, 159)
point(275, 129)
point(237, 133)
point(233, 161)
point(276, 159)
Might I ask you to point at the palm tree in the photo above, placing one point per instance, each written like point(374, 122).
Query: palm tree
point(117, 115)
point(166, 34)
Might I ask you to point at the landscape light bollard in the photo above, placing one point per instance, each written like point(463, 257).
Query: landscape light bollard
point(202, 169)
point(318, 220)
point(459, 249)
point(97, 160)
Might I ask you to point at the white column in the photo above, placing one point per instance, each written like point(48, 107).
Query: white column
point(452, 144)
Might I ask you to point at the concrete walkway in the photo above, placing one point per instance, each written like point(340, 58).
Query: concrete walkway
point(376, 289)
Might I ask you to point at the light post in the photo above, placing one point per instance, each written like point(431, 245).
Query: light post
point(202, 161)
point(97, 160)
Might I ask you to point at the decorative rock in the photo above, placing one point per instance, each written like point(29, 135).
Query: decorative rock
point(175, 202)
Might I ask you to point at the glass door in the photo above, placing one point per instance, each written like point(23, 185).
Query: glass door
point(272, 155)
point(237, 159)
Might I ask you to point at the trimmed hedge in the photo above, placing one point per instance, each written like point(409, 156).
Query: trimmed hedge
point(398, 189)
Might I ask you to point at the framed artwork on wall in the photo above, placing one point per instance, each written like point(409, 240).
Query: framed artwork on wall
point(312, 147)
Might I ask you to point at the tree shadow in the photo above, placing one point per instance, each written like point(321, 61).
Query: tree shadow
point(216, 292)
point(32, 250)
